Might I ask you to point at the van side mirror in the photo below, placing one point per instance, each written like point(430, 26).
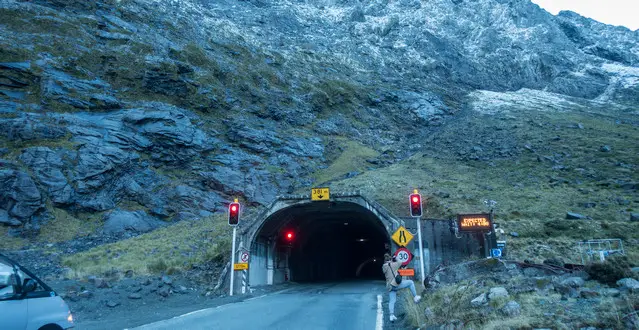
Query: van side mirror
point(29, 285)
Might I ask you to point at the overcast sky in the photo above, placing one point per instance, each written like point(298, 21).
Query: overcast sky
point(615, 12)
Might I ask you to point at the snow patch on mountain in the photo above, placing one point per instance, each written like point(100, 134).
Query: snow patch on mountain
point(489, 102)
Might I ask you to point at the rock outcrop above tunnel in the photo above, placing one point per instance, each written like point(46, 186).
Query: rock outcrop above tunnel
point(112, 104)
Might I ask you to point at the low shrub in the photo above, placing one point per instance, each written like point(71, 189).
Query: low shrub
point(611, 270)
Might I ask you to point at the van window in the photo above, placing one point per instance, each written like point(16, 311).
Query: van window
point(7, 281)
point(23, 276)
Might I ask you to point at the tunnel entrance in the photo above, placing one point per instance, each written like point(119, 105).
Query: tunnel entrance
point(319, 242)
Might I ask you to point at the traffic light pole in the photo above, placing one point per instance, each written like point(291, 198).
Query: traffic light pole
point(233, 260)
point(421, 250)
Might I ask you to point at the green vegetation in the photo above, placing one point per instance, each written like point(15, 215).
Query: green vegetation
point(335, 96)
point(451, 305)
point(352, 157)
point(611, 270)
point(167, 250)
point(532, 192)
point(27, 22)
point(63, 226)
point(8, 243)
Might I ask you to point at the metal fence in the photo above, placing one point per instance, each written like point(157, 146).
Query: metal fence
point(598, 249)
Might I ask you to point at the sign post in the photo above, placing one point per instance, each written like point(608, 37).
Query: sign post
point(479, 224)
point(415, 206)
point(233, 259)
point(421, 250)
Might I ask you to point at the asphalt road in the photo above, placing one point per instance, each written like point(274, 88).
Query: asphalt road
point(349, 305)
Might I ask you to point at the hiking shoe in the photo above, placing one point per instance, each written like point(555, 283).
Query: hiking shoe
point(417, 299)
point(393, 318)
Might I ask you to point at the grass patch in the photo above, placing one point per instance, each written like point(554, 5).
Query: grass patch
point(166, 250)
point(8, 243)
point(63, 226)
point(27, 22)
point(352, 158)
point(551, 167)
point(452, 305)
point(447, 304)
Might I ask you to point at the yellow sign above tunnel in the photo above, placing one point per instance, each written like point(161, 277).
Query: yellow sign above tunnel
point(402, 236)
point(320, 194)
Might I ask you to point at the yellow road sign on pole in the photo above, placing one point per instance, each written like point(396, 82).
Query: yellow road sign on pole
point(240, 266)
point(402, 236)
point(320, 194)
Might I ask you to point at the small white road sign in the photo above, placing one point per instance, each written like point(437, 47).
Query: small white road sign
point(244, 257)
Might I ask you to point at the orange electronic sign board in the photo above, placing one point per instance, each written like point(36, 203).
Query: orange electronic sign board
point(406, 272)
point(474, 222)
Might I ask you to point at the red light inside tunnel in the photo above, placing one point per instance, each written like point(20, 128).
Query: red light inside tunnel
point(289, 236)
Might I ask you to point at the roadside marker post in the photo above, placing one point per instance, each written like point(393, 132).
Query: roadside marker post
point(419, 239)
point(421, 250)
point(244, 258)
point(233, 260)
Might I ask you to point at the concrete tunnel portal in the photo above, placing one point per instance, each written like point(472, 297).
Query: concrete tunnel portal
point(300, 240)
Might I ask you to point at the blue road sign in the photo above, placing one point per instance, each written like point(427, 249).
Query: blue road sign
point(496, 253)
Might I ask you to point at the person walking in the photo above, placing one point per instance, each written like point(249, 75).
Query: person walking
point(390, 268)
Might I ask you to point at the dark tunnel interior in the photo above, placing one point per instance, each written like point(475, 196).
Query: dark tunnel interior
point(329, 241)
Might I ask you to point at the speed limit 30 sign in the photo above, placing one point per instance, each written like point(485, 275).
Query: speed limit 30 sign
point(403, 255)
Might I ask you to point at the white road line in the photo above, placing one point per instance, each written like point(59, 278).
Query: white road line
point(212, 308)
point(380, 314)
point(258, 297)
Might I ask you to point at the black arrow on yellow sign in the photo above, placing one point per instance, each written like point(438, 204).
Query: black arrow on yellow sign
point(402, 237)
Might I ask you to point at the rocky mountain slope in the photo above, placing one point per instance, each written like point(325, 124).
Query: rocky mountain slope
point(122, 116)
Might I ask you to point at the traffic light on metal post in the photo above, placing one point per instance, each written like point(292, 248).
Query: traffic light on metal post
point(415, 201)
point(234, 213)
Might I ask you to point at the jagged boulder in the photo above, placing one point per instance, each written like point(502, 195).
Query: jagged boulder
point(95, 163)
point(29, 127)
point(19, 195)
point(58, 86)
point(47, 167)
point(120, 222)
point(188, 198)
point(6, 219)
point(173, 139)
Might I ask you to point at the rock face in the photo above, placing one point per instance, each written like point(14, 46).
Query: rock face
point(117, 111)
point(19, 196)
point(497, 292)
point(119, 222)
point(47, 167)
point(479, 301)
point(629, 284)
point(511, 309)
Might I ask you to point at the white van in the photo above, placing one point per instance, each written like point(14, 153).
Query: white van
point(26, 303)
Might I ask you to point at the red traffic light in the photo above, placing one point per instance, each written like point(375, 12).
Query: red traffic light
point(415, 205)
point(234, 213)
point(289, 236)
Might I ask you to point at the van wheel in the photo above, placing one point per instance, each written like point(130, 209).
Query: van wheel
point(51, 327)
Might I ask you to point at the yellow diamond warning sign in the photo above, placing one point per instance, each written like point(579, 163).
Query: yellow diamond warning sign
point(402, 236)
